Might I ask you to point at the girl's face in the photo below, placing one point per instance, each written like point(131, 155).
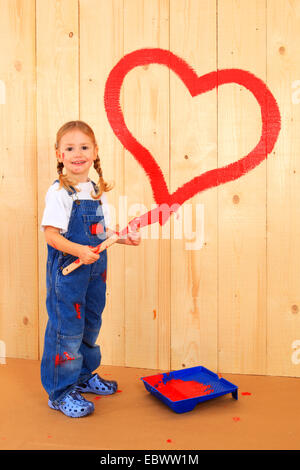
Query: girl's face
point(77, 152)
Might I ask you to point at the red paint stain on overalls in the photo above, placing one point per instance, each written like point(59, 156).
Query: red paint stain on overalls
point(103, 275)
point(62, 359)
point(96, 228)
point(77, 308)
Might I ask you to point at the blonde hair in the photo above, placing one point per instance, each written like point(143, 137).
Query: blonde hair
point(64, 180)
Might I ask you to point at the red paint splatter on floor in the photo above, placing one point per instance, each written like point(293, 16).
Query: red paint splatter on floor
point(154, 314)
point(177, 389)
point(77, 308)
point(119, 391)
point(246, 393)
point(64, 358)
point(97, 398)
point(103, 275)
point(236, 418)
point(169, 440)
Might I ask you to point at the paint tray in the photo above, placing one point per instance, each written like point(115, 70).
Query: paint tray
point(183, 389)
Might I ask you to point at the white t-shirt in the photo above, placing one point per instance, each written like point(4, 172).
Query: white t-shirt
point(59, 204)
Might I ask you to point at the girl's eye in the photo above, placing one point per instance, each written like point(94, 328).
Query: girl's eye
point(85, 147)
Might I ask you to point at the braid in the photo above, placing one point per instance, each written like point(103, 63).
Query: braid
point(101, 186)
point(60, 167)
point(64, 181)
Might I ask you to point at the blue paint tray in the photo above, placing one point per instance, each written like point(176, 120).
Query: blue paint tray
point(183, 389)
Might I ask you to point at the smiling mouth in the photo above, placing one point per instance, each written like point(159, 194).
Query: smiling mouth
point(78, 163)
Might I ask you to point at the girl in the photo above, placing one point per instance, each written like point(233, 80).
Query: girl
point(75, 220)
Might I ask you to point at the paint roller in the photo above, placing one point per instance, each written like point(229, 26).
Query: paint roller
point(150, 217)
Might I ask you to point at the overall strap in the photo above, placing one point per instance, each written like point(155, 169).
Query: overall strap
point(69, 192)
point(94, 184)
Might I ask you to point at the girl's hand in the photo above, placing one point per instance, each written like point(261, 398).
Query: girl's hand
point(87, 254)
point(133, 238)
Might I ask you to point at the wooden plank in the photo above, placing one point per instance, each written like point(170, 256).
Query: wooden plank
point(18, 248)
point(57, 103)
point(146, 110)
point(193, 143)
point(101, 47)
point(283, 72)
point(242, 203)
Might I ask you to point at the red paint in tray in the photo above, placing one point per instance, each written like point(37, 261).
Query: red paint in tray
point(177, 389)
point(183, 389)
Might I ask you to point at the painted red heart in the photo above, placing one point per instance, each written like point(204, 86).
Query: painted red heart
point(270, 115)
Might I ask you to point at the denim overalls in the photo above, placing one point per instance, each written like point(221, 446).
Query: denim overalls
point(74, 303)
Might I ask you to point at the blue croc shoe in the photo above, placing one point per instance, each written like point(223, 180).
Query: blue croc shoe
point(98, 385)
point(73, 405)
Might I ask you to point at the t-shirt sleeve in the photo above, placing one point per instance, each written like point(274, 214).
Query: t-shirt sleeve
point(55, 211)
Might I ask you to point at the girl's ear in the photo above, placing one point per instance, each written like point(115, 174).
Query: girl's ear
point(95, 152)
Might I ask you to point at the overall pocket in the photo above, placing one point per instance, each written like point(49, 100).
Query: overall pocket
point(94, 227)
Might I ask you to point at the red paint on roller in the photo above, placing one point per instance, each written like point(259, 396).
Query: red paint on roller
point(177, 389)
point(77, 308)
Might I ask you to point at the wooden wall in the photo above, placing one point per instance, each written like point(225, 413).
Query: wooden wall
point(231, 305)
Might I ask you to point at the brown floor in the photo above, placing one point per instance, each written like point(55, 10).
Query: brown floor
point(265, 417)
